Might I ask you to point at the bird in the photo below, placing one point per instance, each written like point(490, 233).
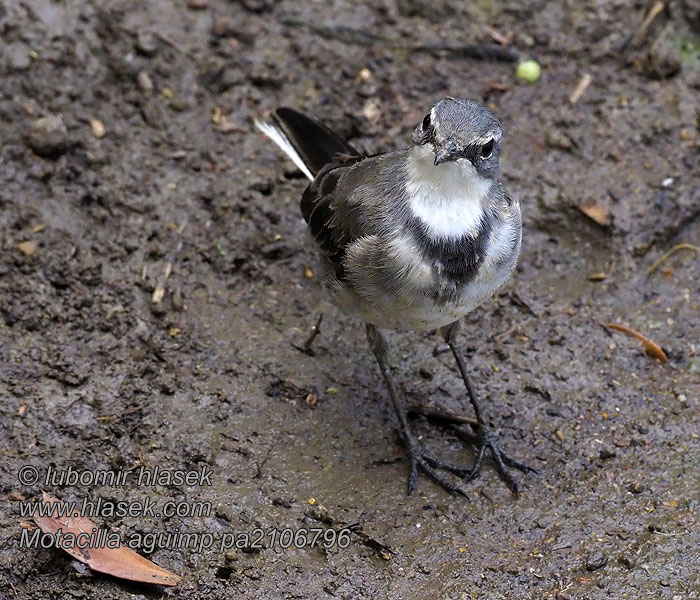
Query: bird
point(413, 239)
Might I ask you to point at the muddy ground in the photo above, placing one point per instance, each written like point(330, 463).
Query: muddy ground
point(94, 375)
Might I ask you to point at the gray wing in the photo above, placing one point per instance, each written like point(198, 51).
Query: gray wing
point(346, 201)
point(319, 209)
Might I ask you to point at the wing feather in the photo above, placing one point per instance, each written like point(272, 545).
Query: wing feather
point(319, 208)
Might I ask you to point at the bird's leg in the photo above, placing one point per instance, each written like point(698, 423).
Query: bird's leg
point(483, 439)
point(419, 459)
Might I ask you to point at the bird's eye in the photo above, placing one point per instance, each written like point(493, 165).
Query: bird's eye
point(487, 149)
point(426, 122)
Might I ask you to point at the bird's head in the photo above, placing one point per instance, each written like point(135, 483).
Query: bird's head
point(461, 130)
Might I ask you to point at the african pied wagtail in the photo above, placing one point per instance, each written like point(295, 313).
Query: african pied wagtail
point(412, 239)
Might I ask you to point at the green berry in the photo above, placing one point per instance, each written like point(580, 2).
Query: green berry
point(528, 70)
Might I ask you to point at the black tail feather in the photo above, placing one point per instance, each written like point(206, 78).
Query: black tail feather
point(315, 143)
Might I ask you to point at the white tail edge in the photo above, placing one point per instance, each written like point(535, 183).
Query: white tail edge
point(277, 136)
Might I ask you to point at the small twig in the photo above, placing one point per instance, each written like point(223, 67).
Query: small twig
point(500, 38)
point(349, 35)
point(315, 330)
point(634, 38)
point(134, 409)
point(666, 255)
point(580, 88)
point(485, 494)
point(258, 473)
point(159, 291)
point(443, 416)
point(506, 334)
point(173, 44)
point(476, 51)
point(163, 38)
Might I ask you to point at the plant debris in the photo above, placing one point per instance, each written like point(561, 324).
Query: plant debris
point(118, 561)
point(596, 212)
point(27, 248)
point(580, 88)
point(650, 347)
point(666, 255)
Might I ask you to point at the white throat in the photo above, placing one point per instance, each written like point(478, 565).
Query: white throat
point(448, 198)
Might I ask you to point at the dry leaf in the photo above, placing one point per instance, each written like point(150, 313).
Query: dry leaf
point(119, 562)
point(596, 212)
point(651, 348)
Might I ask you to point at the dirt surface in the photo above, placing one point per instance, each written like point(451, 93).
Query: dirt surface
point(96, 376)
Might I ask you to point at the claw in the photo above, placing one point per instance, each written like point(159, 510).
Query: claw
point(486, 440)
point(421, 461)
point(483, 440)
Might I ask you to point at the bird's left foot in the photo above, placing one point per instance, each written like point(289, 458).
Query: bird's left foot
point(483, 440)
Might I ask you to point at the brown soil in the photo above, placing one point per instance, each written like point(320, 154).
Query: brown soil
point(94, 375)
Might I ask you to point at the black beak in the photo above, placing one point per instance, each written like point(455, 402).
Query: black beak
point(441, 157)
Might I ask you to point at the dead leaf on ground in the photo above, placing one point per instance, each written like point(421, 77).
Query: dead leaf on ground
point(650, 347)
point(596, 212)
point(120, 562)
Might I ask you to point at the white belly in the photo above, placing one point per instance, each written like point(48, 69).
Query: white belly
point(415, 301)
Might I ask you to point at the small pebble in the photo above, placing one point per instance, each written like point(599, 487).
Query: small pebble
point(558, 139)
point(17, 56)
point(687, 135)
point(141, 330)
point(425, 373)
point(98, 128)
point(146, 43)
point(596, 561)
point(47, 136)
point(626, 560)
point(635, 488)
point(224, 27)
point(145, 82)
point(27, 248)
